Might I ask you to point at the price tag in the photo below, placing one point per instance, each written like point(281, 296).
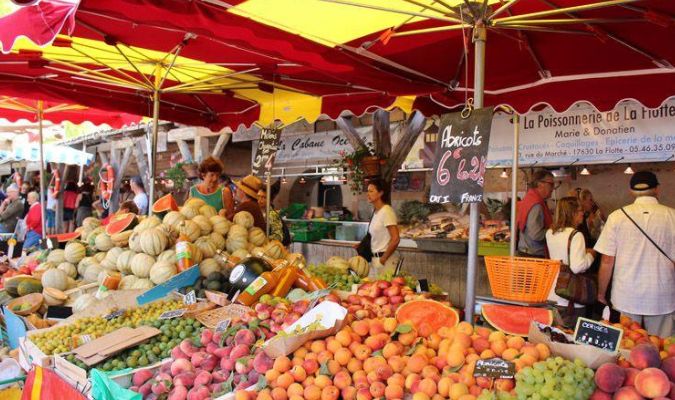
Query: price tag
point(495, 368)
point(190, 298)
point(172, 314)
point(114, 315)
point(223, 325)
point(596, 334)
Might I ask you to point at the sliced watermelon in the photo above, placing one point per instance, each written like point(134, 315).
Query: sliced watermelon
point(164, 204)
point(65, 237)
point(515, 320)
point(120, 223)
point(427, 315)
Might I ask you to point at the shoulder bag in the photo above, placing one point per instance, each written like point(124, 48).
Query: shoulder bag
point(647, 236)
point(575, 288)
point(364, 249)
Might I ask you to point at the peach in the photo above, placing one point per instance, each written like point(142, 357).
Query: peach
point(457, 390)
point(600, 395)
point(645, 356)
point(609, 377)
point(631, 373)
point(377, 389)
point(627, 393)
point(668, 366)
point(392, 392)
point(330, 393)
point(652, 382)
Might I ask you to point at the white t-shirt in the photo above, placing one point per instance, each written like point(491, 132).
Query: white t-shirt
point(557, 250)
point(644, 280)
point(379, 233)
point(51, 201)
point(141, 201)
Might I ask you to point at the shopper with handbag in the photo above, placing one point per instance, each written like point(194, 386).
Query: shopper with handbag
point(573, 290)
point(638, 247)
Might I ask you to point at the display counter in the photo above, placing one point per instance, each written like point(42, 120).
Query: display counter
point(445, 266)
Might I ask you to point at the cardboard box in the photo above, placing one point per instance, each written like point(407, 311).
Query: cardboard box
point(593, 357)
point(329, 315)
point(30, 354)
point(108, 345)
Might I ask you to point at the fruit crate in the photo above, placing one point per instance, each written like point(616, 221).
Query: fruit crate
point(306, 235)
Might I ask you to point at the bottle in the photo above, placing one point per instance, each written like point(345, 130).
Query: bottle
point(183, 254)
point(263, 284)
point(287, 277)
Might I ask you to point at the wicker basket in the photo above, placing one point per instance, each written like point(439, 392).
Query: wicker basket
point(211, 318)
point(521, 279)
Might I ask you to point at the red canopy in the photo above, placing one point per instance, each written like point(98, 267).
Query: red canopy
point(612, 53)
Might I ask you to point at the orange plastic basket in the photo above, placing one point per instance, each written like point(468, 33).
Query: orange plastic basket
point(520, 278)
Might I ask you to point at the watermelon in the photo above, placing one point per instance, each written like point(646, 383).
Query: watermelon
point(120, 223)
point(427, 315)
point(515, 320)
point(164, 204)
point(12, 283)
point(65, 237)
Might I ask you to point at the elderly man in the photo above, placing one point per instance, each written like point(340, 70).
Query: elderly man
point(638, 248)
point(11, 210)
point(534, 217)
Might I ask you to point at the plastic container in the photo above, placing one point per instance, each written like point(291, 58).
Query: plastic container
point(520, 278)
point(263, 284)
point(183, 254)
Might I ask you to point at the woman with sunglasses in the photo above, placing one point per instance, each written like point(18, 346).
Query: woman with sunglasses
point(567, 244)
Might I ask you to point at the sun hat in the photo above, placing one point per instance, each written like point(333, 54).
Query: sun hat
point(643, 180)
point(250, 184)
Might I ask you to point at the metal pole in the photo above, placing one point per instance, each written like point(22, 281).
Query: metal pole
point(42, 171)
point(269, 201)
point(79, 181)
point(514, 181)
point(479, 35)
point(153, 148)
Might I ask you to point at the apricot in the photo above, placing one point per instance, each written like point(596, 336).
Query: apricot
point(333, 345)
point(266, 394)
point(377, 341)
point(427, 386)
point(342, 379)
point(531, 351)
point(510, 354)
point(444, 385)
point(271, 376)
point(543, 350)
point(361, 352)
point(279, 394)
point(392, 349)
point(515, 342)
point(496, 335)
point(343, 337)
point(389, 324)
point(354, 365)
point(343, 356)
point(417, 362)
point(469, 396)
point(420, 396)
point(487, 354)
point(361, 328)
point(282, 364)
point(377, 389)
point(465, 327)
point(312, 392)
point(324, 356)
point(498, 347)
point(295, 389)
point(482, 331)
point(284, 380)
point(407, 339)
point(463, 339)
point(527, 360)
point(457, 390)
point(363, 394)
point(480, 344)
point(301, 352)
point(397, 363)
point(446, 332)
point(455, 359)
point(330, 393)
point(348, 393)
point(430, 371)
point(310, 366)
point(396, 379)
point(322, 381)
point(411, 380)
point(392, 392)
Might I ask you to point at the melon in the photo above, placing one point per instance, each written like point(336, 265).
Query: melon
point(167, 255)
point(218, 240)
point(207, 248)
point(91, 273)
point(143, 284)
point(515, 320)
point(154, 241)
point(127, 282)
point(54, 297)
point(162, 271)
point(90, 223)
point(135, 242)
point(147, 223)
point(103, 242)
point(207, 211)
point(121, 239)
point(55, 278)
point(82, 265)
point(190, 230)
point(141, 264)
point(194, 202)
point(427, 316)
point(123, 263)
point(65, 237)
point(120, 223)
point(243, 218)
point(189, 212)
point(45, 266)
point(56, 256)
point(11, 283)
point(204, 224)
point(173, 218)
point(240, 254)
point(69, 269)
point(110, 260)
point(208, 266)
point(28, 286)
point(220, 224)
point(100, 256)
point(164, 205)
point(257, 236)
point(234, 243)
point(74, 252)
point(359, 265)
point(338, 263)
point(275, 249)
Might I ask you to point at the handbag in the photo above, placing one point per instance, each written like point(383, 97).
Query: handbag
point(575, 288)
point(364, 249)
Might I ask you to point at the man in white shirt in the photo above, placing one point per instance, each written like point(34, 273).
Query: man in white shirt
point(642, 272)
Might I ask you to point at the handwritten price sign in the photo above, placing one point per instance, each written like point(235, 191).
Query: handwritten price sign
point(461, 157)
point(267, 149)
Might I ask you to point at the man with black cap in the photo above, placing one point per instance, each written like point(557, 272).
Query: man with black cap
point(638, 247)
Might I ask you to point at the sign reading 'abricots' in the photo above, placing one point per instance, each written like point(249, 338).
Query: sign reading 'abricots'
point(461, 157)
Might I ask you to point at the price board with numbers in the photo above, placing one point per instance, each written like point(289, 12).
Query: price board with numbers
point(596, 334)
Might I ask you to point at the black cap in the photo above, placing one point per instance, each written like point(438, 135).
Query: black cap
point(643, 180)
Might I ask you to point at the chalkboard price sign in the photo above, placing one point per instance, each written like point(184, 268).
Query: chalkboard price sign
point(266, 151)
point(494, 368)
point(594, 333)
point(461, 157)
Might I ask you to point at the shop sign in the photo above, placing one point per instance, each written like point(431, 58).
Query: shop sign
point(596, 334)
point(324, 146)
point(266, 151)
point(461, 157)
point(583, 135)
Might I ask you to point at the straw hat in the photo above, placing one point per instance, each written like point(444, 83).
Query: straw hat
point(250, 184)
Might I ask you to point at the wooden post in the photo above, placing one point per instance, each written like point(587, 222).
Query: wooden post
point(141, 160)
point(381, 134)
point(223, 139)
point(346, 125)
point(104, 157)
point(119, 169)
point(63, 171)
point(184, 150)
point(201, 149)
point(414, 126)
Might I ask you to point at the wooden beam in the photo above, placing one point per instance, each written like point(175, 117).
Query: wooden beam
point(63, 171)
point(189, 133)
point(115, 162)
point(346, 125)
point(141, 160)
point(381, 134)
point(184, 151)
point(413, 128)
point(104, 157)
point(222, 142)
point(201, 148)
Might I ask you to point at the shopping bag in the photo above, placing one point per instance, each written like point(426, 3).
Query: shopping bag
point(104, 388)
point(44, 384)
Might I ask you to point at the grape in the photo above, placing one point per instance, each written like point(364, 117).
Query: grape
point(555, 379)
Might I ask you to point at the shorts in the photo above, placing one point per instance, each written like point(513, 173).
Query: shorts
point(51, 219)
point(68, 214)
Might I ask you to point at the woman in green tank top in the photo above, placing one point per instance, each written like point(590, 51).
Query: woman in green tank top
point(209, 189)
